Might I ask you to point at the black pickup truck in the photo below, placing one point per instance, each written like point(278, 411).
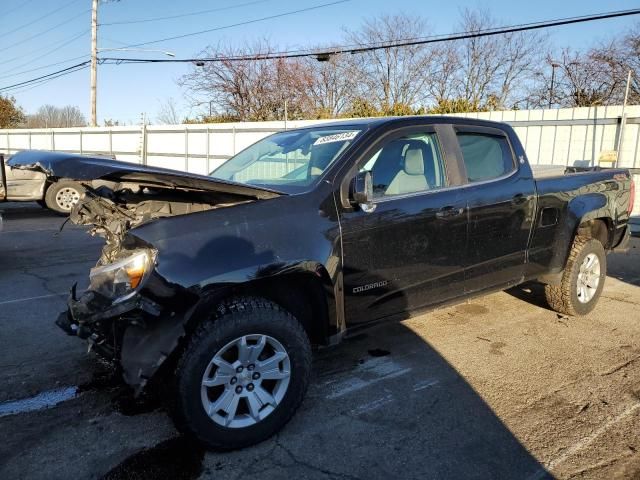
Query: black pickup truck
point(219, 286)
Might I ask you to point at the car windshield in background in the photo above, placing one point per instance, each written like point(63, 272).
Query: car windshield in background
point(288, 161)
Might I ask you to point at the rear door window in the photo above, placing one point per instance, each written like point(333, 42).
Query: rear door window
point(485, 156)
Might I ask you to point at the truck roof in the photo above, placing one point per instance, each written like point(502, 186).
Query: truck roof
point(372, 122)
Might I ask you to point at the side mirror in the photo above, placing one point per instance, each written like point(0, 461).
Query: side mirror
point(362, 191)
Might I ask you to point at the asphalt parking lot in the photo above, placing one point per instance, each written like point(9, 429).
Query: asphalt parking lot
point(498, 387)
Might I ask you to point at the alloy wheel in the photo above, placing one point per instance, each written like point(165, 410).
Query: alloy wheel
point(588, 278)
point(245, 381)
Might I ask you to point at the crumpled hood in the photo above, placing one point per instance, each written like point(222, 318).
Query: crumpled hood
point(83, 168)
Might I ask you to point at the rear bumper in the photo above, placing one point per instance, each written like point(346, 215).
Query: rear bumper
point(634, 226)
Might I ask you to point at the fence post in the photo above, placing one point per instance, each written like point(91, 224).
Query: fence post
point(186, 149)
point(208, 149)
point(233, 132)
point(593, 140)
point(81, 151)
point(143, 153)
point(53, 139)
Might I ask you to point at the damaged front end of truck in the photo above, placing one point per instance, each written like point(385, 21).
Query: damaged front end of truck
point(130, 314)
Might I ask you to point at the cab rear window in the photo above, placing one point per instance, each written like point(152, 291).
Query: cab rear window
point(485, 156)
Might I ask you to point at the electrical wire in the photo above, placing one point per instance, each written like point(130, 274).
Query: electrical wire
point(37, 84)
point(46, 15)
point(341, 50)
point(17, 7)
point(52, 75)
point(171, 17)
point(39, 34)
point(58, 45)
point(45, 66)
point(247, 22)
point(384, 45)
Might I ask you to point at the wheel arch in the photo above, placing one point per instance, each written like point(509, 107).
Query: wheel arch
point(306, 292)
point(588, 215)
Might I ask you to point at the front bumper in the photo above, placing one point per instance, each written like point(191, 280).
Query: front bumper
point(86, 315)
point(136, 333)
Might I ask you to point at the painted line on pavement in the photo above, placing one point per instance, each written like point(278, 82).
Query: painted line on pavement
point(41, 401)
point(585, 442)
point(18, 300)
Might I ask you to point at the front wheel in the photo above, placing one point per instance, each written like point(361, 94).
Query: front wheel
point(582, 279)
point(242, 375)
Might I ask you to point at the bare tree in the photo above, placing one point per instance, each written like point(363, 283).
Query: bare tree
point(583, 78)
point(494, 69)
point(443, 84)
point(169, 113)
point(632, 61)
point(50, 116)
point(251, 89)
point(393, 76)
point(333, 84)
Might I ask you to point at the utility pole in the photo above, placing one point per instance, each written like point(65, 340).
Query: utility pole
point(623, 119)
point(94, 61)
point(554, 65)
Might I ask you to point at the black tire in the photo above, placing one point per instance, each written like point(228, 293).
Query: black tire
point(244, 316)
point(564, 298)
point(52, 200)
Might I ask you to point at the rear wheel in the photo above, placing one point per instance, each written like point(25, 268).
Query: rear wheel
point(62, 195)
point(242, 376)
point(582, 280)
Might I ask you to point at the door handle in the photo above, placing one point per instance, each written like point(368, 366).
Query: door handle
point(448, 212)
point(519, 199)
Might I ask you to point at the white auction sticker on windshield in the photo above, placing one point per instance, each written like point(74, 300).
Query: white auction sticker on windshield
point(337, 137)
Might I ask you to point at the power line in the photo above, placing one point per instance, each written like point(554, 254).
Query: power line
point(46, 15)
point(39, 34)
point(52, 75)
point(45, 66)
point(341, 50)
point(38, 83)
point(247, 22)
point(384, 45)
point(17, 7)
point(201, 12)
point(58, 45)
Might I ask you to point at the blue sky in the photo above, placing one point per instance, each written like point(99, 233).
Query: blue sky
point(125, 91)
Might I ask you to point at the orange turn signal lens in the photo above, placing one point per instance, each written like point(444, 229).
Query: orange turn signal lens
point(135, 270)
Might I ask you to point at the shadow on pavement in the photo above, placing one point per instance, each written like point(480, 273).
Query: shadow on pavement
point(383, 404)
point(530, 292)
point(621, 266)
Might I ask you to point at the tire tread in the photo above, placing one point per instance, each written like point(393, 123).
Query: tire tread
point(227, 311)
point(560, 297)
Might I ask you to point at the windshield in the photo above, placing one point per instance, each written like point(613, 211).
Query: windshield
point(288, 161)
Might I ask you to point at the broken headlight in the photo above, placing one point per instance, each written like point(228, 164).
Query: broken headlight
point(120, 280)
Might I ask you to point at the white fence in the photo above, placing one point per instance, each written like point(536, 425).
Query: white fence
point(194, 148)
point(568, 136)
